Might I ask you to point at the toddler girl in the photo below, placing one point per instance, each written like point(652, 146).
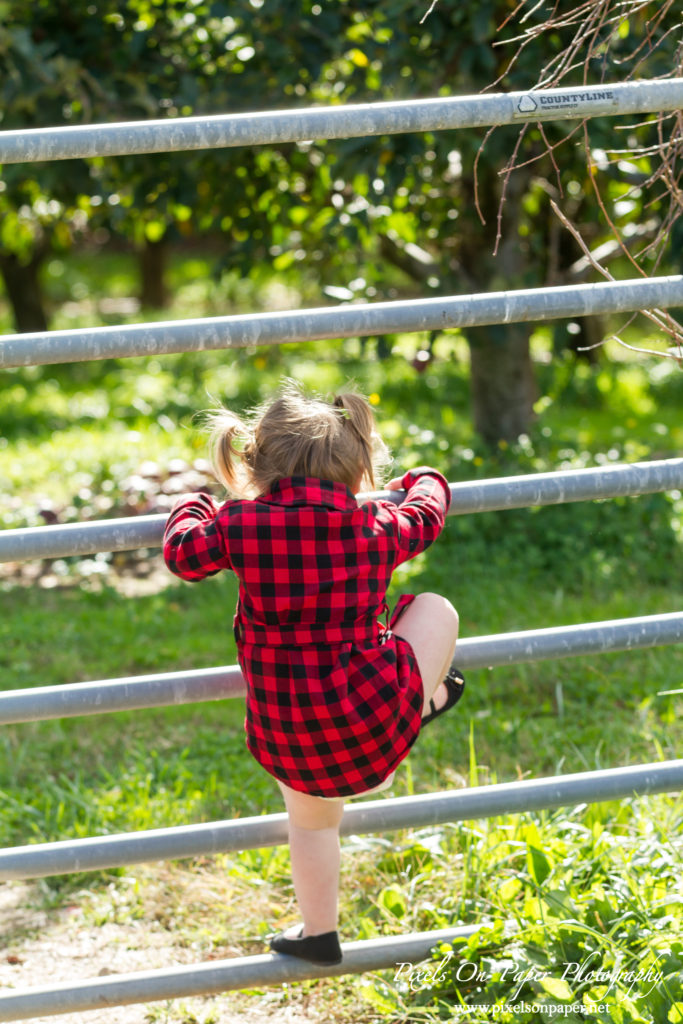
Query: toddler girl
point(335, 698)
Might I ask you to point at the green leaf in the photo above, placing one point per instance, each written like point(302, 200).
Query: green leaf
point(283, 261)
point(393, 901)
point(557, 988)
point(155, 230)
point(509, 889)
point(474, 775)
point(538, 864)
point(298, 214)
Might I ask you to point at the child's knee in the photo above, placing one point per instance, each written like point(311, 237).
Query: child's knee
point(440, 608)
point(317, 819)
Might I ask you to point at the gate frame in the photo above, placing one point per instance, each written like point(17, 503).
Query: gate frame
point(343, 122)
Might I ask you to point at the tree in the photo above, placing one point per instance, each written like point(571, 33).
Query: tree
point(70, 61)
point(38, 210)
point(465, 213)
point(420, 214)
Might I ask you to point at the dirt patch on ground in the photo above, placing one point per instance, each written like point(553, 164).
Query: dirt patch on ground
point(44, 947)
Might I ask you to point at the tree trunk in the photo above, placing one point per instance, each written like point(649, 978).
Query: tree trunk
point(502, 383)
point(153, 292)
point(24, 292)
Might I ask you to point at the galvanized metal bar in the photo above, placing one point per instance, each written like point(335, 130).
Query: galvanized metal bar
point(560, 487)
point(340, 122)
point(218, 976)
point(498, 494)
point(63, 541)
point(101, 852)
point(81, 538)
point(340, 321)
point(571, 641)
point(194, 686)
point(131, 693)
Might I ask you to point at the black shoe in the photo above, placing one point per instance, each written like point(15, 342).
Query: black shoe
point(323, 950)
point(455, 684)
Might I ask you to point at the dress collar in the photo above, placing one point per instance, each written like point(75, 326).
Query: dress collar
point(310, 490)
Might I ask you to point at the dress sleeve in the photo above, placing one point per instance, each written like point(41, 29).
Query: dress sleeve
point(420, 518)
point(194, 546)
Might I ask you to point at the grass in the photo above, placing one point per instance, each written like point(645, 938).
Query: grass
point(598, 881)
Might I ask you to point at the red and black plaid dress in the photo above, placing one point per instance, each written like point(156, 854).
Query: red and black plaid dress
point(334, 699)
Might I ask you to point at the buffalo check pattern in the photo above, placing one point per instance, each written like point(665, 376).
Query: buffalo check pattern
point(334, 697)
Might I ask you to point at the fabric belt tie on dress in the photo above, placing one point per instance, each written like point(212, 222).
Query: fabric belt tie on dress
point(302, 634)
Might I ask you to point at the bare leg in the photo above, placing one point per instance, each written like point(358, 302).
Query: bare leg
point(315, 857)
point(430, 625)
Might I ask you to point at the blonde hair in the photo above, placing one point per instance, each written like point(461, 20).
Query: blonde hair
point(297, 435)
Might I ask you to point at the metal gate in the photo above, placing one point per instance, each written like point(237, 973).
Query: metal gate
point(216, 684)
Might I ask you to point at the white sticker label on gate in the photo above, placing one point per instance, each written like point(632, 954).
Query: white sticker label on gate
point(543, 103)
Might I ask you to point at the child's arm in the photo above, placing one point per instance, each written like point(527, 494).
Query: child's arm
point(420, 518)
point(194, 546)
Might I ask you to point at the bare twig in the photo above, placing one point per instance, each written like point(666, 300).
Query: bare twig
point(426, 15)
point(676, 355)
point(506, 181)
point(661, 319)
point(595, 40)
point(477, 158)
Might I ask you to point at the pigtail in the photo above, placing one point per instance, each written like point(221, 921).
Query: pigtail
point(359, 417)
point(230, 443)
